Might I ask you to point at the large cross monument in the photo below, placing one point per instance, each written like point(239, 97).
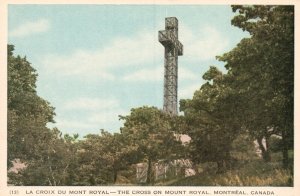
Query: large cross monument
point(173, 48)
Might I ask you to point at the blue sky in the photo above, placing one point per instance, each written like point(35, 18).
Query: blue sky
point(96, 62)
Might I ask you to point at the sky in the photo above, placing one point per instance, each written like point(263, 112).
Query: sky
point(95, 62)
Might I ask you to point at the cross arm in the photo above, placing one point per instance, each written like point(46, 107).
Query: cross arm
point(166, 38)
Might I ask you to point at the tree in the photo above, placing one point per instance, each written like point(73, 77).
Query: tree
point(213, 119)
point(46, 154)
point(27, 113)
point(54, 163)
point(263, 67)
point(102, 156)
point(151, 131)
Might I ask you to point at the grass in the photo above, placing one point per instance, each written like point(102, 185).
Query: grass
point(255, 172)
point(248, 170)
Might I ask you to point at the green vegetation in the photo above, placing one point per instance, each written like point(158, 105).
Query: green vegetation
point(150, 130)
point(252, 101)
point(248, 169)
point(254, 173)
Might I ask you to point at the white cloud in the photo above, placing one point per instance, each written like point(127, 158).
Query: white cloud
point(202, 44)
point(30, 28)
point(120, 52)
point(146, 74)
point(107, 119)
point(139, 50)
point(85, 103)
point(157, 74)
point(92, 123)
point(96, 114)
point(188, 91)
point(186, 74)
point(71, 125)
point(106, 116)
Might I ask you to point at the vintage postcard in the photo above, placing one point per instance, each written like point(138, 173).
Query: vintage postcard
point(149, 98)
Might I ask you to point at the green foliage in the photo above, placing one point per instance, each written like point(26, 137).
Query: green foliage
point(254, 99)
point(263, 67)
point(28, 113)
point(243, 149)
point(255, 96)
point(48, 157)
point(213, 119)
point(150, 130)
point(275, 144)
point(101, 157)
point(55, 159)
point(53, 163)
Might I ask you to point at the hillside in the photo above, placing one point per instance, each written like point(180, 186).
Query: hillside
point(253, 172)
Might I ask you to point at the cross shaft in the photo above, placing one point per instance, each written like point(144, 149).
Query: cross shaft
point(173, 48)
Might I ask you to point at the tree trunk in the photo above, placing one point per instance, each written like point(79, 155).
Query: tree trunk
point(224, 163)
point(221, 166)
point(265, 152)
point(149, 172)
point(115, 176)
point(285, 155)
